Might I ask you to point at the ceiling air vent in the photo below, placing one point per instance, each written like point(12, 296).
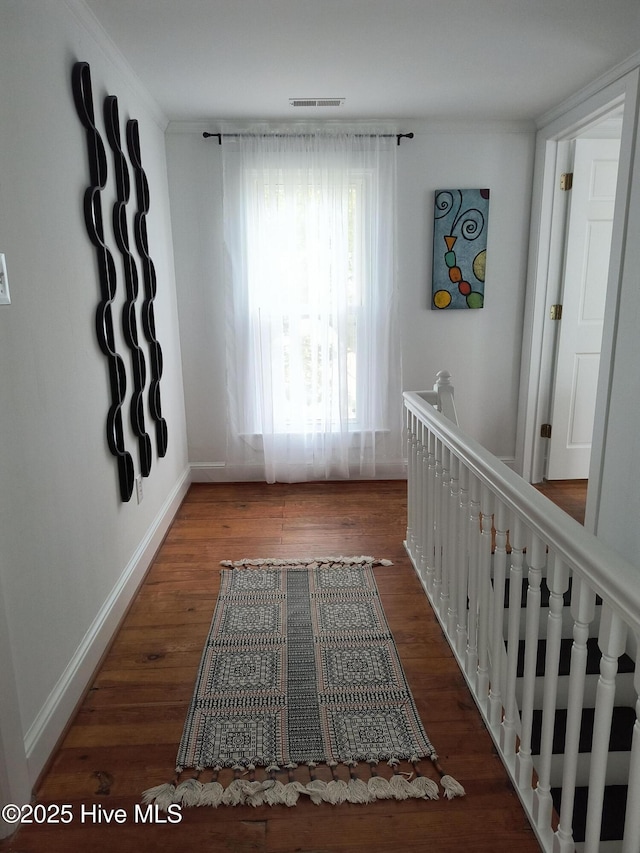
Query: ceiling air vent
point(316, 102)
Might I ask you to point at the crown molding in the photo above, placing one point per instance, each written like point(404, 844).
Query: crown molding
point(632, 62)
point(447, 125)
point(416, 125)
point(88, 20)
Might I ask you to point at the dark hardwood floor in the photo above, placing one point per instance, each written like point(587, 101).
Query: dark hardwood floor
point(569, 495)
point(126, 732)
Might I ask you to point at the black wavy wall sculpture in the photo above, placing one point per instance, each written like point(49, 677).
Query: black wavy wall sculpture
point(149, 276)
point(83, 97)
point(129, 322)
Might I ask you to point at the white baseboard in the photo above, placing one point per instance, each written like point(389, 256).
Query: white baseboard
point(220, 472)
point(44, 733)
point(209, 472)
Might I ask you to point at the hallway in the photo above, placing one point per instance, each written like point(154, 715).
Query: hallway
point(125, 735)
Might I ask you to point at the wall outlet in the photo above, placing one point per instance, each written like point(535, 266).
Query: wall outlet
point(139, 488)
point(5, 299)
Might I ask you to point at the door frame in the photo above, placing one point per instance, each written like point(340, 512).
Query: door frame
point(544, 274)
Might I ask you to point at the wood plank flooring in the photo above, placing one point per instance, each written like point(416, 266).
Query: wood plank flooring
point(569, 495)
point(125, 735)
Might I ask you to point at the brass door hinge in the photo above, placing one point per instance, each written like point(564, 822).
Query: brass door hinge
point(566, 180)
point(556, 312)
point(545, 431)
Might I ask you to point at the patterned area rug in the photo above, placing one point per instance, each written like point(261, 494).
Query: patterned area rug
point(300, 669)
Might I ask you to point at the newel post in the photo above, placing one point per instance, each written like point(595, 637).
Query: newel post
point(444, 389)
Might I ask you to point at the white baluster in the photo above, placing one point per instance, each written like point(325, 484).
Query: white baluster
point(463, 561)
point(558, 583)
point(484, 595)
point(424, 503)
point(474, 569)
point(453, 547)
point(418, 494)
point(611, 640)
point(410, 480)
point(508, 729)
point(422, 497)
point(582, 611)
point(631, 843)
point(524, 763)
point(437, 532)
point(430, 546)
point(497, 624)
point(445, 521)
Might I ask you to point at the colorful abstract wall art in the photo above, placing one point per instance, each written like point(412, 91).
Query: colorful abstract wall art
point(459, 248)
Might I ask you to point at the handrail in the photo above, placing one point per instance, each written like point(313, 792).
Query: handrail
point(485, 545)
point(614, 579)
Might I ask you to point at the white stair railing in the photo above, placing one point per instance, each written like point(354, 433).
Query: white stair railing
point(475, 527)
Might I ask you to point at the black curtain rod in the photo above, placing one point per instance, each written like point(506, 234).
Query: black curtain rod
point(398, 136)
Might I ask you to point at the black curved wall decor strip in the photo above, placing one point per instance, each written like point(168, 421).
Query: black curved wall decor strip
point(149, 276)
point(129, 322)
point(83, 97)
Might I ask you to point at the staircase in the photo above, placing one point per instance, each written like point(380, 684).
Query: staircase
point(621, 736)
point(543, 620)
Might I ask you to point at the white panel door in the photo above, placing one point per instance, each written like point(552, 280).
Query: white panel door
point(583, 302)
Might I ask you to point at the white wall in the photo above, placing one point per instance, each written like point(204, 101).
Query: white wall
point(616, 507)
point(195, 189)
point(71, 553)
point(480, 348)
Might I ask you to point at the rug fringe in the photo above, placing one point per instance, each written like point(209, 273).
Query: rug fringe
point(188, 793)
point(245, 790)
point(161, 795)
point(316, 788)
point(378, 785)
point(399, 784)
point(423, 784)
point(357, 790)
point(305, 561)
point(273, 789)
point(336, 792)
point(211, 794)
point(452, 788)
point(293, 788)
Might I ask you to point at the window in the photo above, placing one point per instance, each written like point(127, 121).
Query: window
point(307, 280)
point(309, 233)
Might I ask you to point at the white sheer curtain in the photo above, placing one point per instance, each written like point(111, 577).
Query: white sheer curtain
point(313, 360)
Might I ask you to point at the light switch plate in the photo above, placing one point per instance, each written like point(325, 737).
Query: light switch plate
point(5, 299)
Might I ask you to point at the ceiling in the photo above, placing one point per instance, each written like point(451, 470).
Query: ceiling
point(389, 59)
